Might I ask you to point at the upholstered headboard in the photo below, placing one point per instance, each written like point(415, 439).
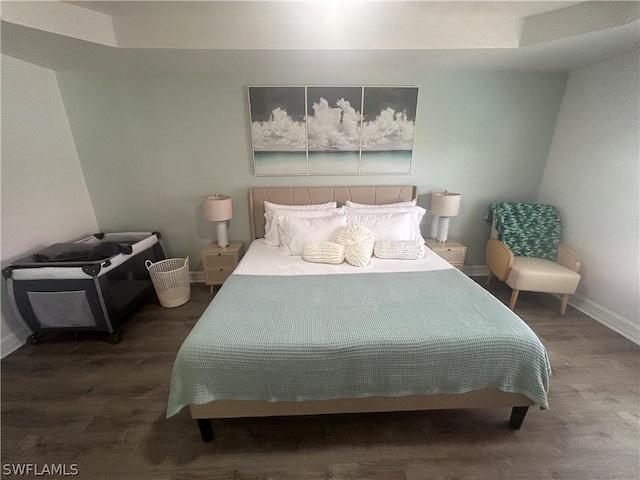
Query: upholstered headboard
point(374, 195)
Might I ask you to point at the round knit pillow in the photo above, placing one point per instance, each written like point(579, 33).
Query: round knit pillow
point(358, 244)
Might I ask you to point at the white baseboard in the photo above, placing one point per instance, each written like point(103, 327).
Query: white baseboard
point(476, 270)
point(12, 342)
point(196, 277)
point(610, 319)
point(600, 314)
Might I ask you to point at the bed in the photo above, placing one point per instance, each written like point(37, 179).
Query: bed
point(397, 335)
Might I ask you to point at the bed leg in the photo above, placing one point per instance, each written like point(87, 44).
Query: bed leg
point(206, 429)
point(517, 417)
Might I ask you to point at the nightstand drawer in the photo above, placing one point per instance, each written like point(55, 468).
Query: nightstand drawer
point(217, 276)
point(451, 255)
point(452, 251)
point(219, 260)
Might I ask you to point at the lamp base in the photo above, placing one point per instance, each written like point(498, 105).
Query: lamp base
point(443, 229)
point(221, 234)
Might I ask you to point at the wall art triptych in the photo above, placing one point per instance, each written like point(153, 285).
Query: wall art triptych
point(332, 130)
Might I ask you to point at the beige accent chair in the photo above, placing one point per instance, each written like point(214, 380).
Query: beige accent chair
point(533, 274)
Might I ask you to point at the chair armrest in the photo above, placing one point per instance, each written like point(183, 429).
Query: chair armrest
point(499, 258)
point(567, 258)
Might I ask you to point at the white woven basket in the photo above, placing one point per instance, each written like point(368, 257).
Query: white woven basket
point(171, 280)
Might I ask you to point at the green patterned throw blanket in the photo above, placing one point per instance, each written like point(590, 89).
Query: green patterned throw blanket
point(528, 229)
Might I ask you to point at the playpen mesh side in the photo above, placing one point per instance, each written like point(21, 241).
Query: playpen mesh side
point(62, 309)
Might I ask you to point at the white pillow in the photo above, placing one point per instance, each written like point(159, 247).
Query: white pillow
point(295, 232)
point(410, 203)
point(274, 217)
point(276, 206)
point(395, 225)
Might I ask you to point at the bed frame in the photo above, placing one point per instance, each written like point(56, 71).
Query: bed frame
point(486, 398)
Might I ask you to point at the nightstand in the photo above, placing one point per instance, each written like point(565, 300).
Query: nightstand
point(453, 252)
point(218, 262)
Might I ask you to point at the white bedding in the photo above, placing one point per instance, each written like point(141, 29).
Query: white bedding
point(263, 259)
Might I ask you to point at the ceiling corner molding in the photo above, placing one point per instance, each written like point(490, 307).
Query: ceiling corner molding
point(61, 18)
point(581, 19)
point(221, 36)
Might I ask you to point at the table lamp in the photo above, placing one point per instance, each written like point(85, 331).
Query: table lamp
point(444, 205)
point(218, 208)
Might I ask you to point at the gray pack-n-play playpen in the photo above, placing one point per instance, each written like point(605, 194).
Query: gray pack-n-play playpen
point(92, 284)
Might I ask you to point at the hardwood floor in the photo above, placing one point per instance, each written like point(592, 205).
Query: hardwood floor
point(102, 407)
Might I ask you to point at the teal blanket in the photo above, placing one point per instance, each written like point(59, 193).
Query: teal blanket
point(296, 338)
point(528, 229)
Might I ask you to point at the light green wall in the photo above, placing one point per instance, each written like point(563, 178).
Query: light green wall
point(152, 145)
point(593, 177)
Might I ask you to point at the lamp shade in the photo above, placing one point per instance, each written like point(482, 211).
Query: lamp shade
point(217, 208)
point(445, 204)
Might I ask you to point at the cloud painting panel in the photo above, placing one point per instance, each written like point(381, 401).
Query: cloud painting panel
point(278, 130)
point(278, 119)
point(388, 128)
point(334, 118)
point(333, 123)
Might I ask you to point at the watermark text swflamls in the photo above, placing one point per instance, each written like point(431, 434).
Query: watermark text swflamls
point(40, 470)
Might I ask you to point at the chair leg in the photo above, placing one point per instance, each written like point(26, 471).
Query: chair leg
point(489, 276)
point(514, 298)
point(563, 303)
